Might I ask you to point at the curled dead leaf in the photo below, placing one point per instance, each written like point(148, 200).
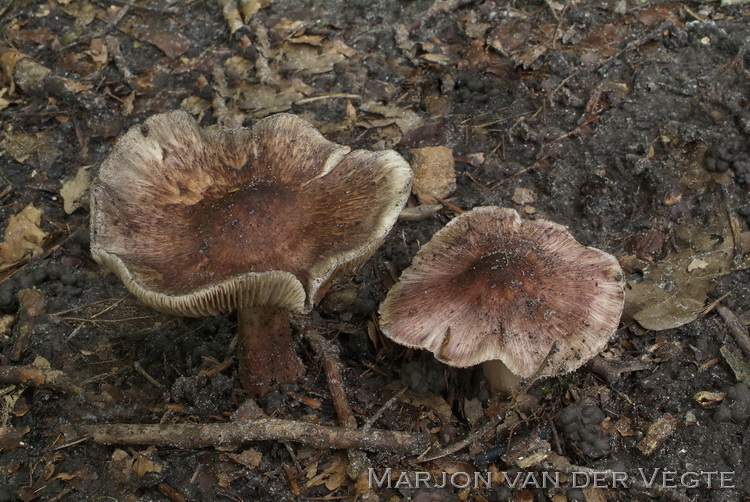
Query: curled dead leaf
point(74, 191)
point(22, 236)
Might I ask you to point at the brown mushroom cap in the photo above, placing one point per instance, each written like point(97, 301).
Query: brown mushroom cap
point(197, 222)
point(489, 286)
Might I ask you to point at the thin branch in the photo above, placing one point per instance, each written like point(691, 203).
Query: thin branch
point(191, 436)
point(38, 377)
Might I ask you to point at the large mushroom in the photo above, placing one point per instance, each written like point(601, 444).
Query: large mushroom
point(197, 222)
point(490, 287)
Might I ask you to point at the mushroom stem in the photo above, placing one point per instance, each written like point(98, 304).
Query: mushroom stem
point(501, 380)
point(265, 350)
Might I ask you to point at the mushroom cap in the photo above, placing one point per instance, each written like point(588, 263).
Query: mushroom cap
point(197, 222)
point(490, 286)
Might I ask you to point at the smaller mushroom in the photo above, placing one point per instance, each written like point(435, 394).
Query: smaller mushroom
point(197, 222)
point(491, 288)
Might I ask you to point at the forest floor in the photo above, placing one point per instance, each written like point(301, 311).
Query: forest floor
point(626, 121)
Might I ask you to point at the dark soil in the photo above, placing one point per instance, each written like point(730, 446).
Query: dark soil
point(627, 121)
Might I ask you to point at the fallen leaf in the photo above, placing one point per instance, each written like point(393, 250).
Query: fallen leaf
point(671, 292)
point(34, 149)
point(405, 119)
point(4, 103)
point(146, 461)
point(708, 398)
point(657, 433)
point(22, 236)
point(98, 51)
point(524, 196)
point(171, 44)
point(248, 458)
point(434, 173)
point(12, 437)
point(195, 105)
point(73, 191)
point(76, 86)
point(249, 7)
point(740, 368)
point(333, 475)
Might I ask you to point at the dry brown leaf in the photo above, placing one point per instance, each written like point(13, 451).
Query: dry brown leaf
point(248, 458)
point(12, 437)
point(23, 146)
point(22, 236)
point(239, 64)
point(434, 173)
point(76, 85)
point(431, 401)
point(248, 8)
point(7, 63)
point(403, 118)
point(333, 476)
point(524, 196)
point(672, 292)
point(171, 44)
point(74, 190)
point(657, 433)
point(4, 103)
point(195, 105)
point(144, 462)
point(98, 51)
point(128, 104)
point(313, 59)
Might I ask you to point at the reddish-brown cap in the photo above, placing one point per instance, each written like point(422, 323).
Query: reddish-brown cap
point(197, 222)
point(490, 286)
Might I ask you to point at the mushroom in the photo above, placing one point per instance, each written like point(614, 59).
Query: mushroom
point(197, 222)
point(492, 288)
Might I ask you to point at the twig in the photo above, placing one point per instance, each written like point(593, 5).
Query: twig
point(38, 377)
point(736, 328)
point(610, 371)
point(332, 95)
point(191, 436)
point(328, 353)
point(370, 421)
point(148, 377)
point(450, 206)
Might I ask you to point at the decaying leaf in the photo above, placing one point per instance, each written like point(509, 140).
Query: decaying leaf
point(673, 291)
point(740, 368)
point(403, 118)
point(73, 191)
point(249, 7)
point(125, 467)
point(657, 433)
point(172, 44)
point(195, 105)
point(4, 103)
point(34, 149)
point(434, 173)
point(307, 57)
point(12, 437)
point(22, 236)
point(434, 402)
point(248, 458)
point(332, 476)
point(708, 398)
